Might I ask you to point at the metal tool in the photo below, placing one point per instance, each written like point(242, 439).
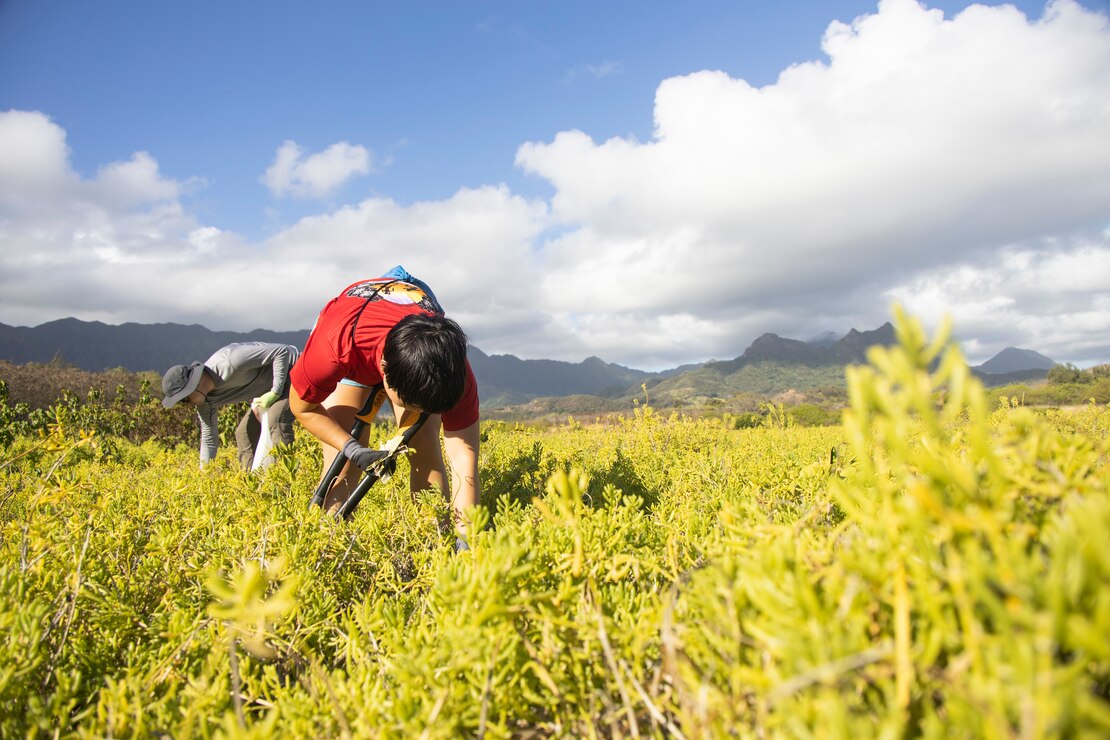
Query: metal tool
point(380, 470)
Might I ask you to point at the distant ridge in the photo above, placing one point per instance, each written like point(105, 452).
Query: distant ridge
point(849, 349)
point(1013, 365)
point(506, 379)
point(92, 345)
point(771, 364)
point(95, 346)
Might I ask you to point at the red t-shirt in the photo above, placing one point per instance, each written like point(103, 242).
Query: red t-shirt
point(332, 353)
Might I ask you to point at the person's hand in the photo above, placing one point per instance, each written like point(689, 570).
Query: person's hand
point(361, 456)
point(265, 401)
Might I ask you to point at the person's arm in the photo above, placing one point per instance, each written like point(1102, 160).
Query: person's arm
point(283, 358)
point(462, 460)
point(209, 432)
point(316, 419)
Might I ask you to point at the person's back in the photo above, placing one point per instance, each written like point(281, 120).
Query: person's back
point(391, 331)
point(257, 372)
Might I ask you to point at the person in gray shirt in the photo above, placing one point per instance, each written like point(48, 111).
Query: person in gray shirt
point(245, 371)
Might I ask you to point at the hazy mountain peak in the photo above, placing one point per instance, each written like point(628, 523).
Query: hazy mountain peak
point(1015, 359)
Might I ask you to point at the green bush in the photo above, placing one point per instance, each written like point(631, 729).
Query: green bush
point(927, 568)
point(812, 415)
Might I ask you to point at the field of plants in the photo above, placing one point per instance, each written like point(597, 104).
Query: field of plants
point(930, 567)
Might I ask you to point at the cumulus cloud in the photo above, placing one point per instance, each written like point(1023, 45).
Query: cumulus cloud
point(920, 140)
point(108, 247)
point(34, 161)
point(122, 246)
point(317, 175)
point(956, 165)
point(474, 248)
point(1052, 294)
point(31, 148)
point(135, 181)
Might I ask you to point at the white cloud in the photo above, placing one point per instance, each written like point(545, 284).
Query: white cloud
point(115, 247)
point(1054, 296)
point(473, 248)
point(921, 141)
point(315, 176)
point(956, 165)
point(34, 159)
point(135, 181)
point(122, 247)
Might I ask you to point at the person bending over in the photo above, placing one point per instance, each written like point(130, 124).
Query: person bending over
point(391, 330)
point(245, 371)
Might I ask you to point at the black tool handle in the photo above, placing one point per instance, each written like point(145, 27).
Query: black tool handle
point(349, 506)
point(362, 418)
point(347, 510)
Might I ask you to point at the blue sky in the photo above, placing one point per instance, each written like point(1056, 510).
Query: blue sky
point(652, 183)
point(443, 93)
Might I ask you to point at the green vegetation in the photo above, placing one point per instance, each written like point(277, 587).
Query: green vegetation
point(40, 385)
point(113, 404)
point(112, 418)
point(762, 378)
point(1065, 385)
point(927, 567)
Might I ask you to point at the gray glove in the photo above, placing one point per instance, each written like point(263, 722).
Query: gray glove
point(361, 456)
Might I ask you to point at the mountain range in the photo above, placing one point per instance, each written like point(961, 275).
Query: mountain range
point(771, 364)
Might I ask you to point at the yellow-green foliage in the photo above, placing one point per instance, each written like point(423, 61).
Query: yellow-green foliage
point(926, 568)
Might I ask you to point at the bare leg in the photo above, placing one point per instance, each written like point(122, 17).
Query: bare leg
point(426, 468)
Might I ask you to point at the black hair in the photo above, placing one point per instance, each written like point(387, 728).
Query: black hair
point(425, 361)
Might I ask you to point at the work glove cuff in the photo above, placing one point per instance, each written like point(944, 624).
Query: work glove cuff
point(352, 448)
point(361, 456)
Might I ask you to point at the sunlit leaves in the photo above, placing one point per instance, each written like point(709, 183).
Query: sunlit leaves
point(925, 568)
point(251, 600)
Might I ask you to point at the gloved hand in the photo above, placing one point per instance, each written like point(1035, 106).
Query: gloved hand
point(361, 456)
point(265, 401)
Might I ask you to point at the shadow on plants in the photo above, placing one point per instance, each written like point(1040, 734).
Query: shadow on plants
point(621, 475)
point(518, 478)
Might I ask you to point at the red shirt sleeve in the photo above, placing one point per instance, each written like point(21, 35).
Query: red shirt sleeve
point(314, 376)
point(317, 371)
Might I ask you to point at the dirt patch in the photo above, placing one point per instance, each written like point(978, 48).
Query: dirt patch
point(790, 397)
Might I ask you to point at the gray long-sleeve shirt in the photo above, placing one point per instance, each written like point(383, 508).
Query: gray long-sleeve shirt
point(242, 372)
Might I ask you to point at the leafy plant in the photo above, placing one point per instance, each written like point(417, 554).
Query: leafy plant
point(927, 567)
